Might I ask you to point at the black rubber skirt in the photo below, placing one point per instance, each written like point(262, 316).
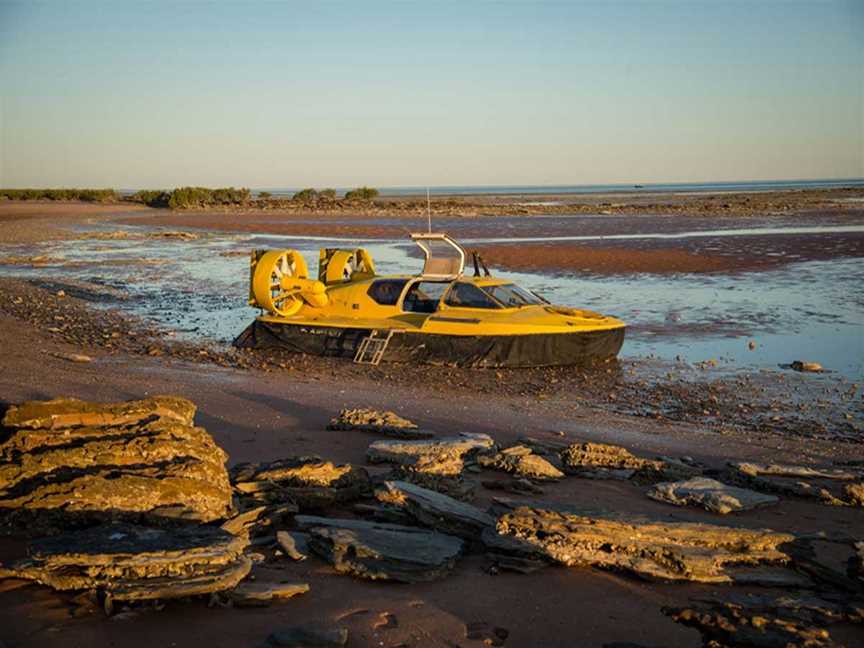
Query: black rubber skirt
point(535, 350)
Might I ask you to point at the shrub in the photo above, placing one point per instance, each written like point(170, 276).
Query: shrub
point(362, 193)
point(89, 195)
point(327, 194)
point(151, 197)
point(265, 195)
point(188, 197)
point(305, 195)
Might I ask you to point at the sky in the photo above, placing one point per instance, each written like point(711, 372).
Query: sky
point(262, 94)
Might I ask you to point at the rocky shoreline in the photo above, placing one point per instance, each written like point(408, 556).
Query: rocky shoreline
point(122, 550)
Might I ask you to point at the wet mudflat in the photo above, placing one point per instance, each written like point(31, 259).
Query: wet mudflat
point(690, 289)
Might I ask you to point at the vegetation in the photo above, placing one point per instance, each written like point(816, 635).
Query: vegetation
point(188, 197)
point(305, 196)
point(88, 195)
point(362, 193)
point(185, 197)
point(151, 197)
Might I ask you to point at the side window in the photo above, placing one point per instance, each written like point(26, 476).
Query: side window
point(469, 296)
point(386, 292)
point(423, 296)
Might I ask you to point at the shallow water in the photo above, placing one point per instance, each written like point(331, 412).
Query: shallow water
point(811, 310)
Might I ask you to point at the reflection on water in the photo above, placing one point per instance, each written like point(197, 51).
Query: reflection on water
point(812, 310)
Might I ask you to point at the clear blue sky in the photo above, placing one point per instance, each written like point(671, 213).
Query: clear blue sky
point(161, 94)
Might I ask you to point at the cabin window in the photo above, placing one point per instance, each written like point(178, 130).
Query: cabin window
point(386, 292)
point(467, 295)
point(423, 296)
point(512, 296)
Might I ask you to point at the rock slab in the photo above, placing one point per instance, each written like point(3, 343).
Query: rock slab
point(449, 451)
point(380, 551)
point(309, 481)
point(521, 460)
point(652, 549)
point(132, 562)
point(434, 510)
point(711, 495)
point(66, 458)
point(386, 423)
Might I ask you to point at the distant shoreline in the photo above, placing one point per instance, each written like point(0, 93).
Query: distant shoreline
point(447, 191)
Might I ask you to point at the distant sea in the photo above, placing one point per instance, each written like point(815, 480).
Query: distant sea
point(685, 187)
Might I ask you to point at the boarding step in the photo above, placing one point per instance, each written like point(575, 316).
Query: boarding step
point(372, 348)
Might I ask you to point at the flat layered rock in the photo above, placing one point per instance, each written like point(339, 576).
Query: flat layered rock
point(601, 461)
point(711, 495)
point(604, 461)
point(447, 451)
point(441, 479)
point(123, 459)
point(136, 562)
point(834, 486)
point(381, 551)
point(767, 621)
point(856, 563)
point(64, 413)
point(650, 548)
point(435, 510)
point(520, 460)
point(259, 594)
point(308, 480)
point(385, 423)
point(307, 637)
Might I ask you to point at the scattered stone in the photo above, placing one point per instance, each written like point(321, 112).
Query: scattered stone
point(309, 481)
point(289, 545)
point(386, 621)
point(79, 358)
point(386, 423)
point(520, 460)
point(653, 549)
point(307, 637)
point(765, 621)
point(131, 562)
point(377, 550)
point(488, 634)
point(829, 485)
point(665, 469)
point(451, 484)
point(67, 458)
point(803, 366)
point(259, 594)
point(444, 456)
point(710, 494)
point(602, 461)
point(435, 510)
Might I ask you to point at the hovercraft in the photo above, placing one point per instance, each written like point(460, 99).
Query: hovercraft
point(439, 316)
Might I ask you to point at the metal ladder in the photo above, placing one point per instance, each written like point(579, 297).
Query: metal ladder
point(372, 348)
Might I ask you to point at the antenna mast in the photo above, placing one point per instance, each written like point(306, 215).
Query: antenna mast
point(428, 211)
